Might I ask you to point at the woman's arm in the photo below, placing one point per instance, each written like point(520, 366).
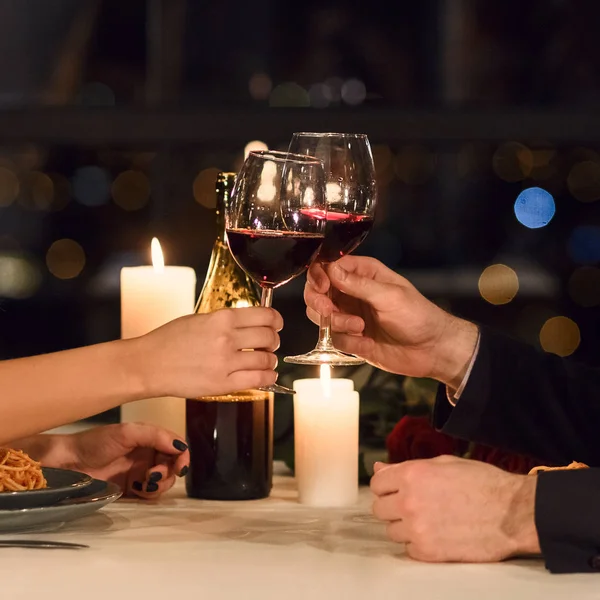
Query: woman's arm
point(46, 391)
point(190, 357)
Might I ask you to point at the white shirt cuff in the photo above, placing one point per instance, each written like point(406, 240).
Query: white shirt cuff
point(452, 396)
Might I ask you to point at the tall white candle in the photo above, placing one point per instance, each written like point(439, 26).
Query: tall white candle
point(150, 297)
point(326, 413)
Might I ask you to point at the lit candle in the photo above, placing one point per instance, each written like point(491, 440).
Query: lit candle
point(326, 440)
point(150, 297)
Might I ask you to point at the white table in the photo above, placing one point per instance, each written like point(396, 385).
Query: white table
point(178, 548)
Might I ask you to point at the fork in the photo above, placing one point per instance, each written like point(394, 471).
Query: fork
point(41, 544)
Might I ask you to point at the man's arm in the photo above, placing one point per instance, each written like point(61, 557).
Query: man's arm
point(527, 401)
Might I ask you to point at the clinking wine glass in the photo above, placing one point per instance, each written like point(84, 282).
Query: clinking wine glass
point(351, 194)
point(276, 220)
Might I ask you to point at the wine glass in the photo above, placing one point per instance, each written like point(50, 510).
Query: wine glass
point(276, 220)
point(351, 192)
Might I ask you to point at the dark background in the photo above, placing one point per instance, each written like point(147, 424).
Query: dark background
point(116, 116)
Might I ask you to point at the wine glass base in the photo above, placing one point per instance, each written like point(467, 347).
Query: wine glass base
point(277, 389)
point(333, 358)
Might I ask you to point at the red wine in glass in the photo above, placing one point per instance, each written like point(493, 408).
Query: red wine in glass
point(273, 258)
point(343, 234)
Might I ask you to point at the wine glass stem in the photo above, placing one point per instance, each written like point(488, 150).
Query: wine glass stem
point(266, 297)
point(325, 342)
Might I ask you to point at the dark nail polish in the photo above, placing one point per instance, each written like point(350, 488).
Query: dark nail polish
point(137, 486)
point(154, 477)
point(179, 445)
point(152, 487)
point(184, 471)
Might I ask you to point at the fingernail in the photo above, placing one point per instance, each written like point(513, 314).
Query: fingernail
point(137, 486)
point(154, 477)
point(179, 445)
point(184, 471)
point(152, 487)
point(340, 273)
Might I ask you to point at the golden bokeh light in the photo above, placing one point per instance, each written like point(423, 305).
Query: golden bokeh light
point(204, 187)
point(584, 181)
point(498, 284)
point(254, 146)
point(512, 162)
point(131, 190)
point(19, 276)
point(584, 286)
point(30, 157)
point(414, 164)
point(39, 191)
point(9, 187)
point(560, 335)
point(260, 86)
point(65, 259)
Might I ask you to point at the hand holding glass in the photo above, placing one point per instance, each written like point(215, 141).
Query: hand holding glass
point(276, 220)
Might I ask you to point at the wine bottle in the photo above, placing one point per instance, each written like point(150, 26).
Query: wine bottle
point(230, 437)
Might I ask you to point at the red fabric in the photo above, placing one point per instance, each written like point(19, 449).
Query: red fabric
point(414, 437)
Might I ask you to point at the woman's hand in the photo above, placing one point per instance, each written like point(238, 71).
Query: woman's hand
point(142, 459)
point(206, 355)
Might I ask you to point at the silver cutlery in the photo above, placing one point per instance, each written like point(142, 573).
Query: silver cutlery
point(40, 544)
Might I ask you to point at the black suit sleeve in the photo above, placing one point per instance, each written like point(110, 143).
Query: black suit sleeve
point(567, 519)
point(538, 404)
point(527, 401)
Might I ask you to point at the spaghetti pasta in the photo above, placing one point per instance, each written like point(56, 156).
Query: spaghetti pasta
point(19, 472)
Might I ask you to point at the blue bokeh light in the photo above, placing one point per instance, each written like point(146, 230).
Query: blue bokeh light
point(584, 244)
point(91, 186)
point(534, 207)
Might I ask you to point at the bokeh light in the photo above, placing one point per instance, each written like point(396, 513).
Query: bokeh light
point(65, 259)
point(260, 86)
point(414, 164)
point(319, 95)
point(30, 157)
point(543, 167)
point(534, 207)
point(512, 162)
point(91, 185)
point(584, 244)
point(560, 335)
point(39, 189)
point(19, 276)
point(354, 92)
point(584, 181)
point(584, 286)
point(204, 187)
point(498, 284)
point(289, 94)
point(131, 190)
point(254, 146)
point(9, 187)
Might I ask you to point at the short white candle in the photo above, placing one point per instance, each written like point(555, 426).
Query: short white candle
point(326, 413)
point(150, 297)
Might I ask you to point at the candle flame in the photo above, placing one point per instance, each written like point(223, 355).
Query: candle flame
point(326, 379)
point(158, 261)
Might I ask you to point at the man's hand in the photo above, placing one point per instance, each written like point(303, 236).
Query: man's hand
point(449, 509)
point(142, 459)
point(379, 316)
